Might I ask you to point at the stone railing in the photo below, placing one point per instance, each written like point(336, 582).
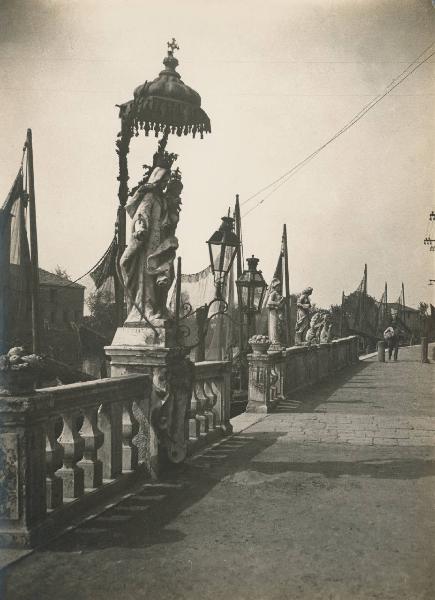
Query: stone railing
point(274, 375)
point(210, 405)
point(63, 450)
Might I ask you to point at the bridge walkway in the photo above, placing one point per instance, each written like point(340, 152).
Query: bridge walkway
point(329, 497)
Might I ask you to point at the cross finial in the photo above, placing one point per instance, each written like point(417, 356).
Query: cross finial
point(173, 46)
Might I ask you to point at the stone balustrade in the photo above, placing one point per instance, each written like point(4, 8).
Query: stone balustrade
point(210, 405)
point(274, 375)
point(63, 450)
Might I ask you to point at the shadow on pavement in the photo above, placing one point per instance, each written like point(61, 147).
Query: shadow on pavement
point(308, 399)
point(394, 468)
point(141, 519)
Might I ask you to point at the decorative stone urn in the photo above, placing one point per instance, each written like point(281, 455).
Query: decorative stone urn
point(18, 372)
point(259, 344)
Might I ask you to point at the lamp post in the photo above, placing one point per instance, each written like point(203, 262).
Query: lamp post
point(251, 289)
point(223, 246)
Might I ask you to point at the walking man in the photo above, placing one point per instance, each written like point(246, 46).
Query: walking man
point(391, 337)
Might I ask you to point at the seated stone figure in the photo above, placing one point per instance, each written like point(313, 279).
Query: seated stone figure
point(316, 324)
point(326, 333)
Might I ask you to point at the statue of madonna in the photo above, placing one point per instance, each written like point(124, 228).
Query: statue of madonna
point(147, 264)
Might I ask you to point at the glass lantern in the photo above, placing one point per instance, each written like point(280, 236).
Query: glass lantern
point(251, 287)
point(223, 246)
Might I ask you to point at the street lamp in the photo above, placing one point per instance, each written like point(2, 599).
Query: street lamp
point(251, 289)
point(222, 246)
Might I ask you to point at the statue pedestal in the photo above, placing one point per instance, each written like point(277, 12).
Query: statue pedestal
point(162, 418)
point(163, 336)
point(266, 381)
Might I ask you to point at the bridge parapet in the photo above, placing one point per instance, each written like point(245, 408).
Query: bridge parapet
point(63, 450)
point(210, 406)
point(274, 375)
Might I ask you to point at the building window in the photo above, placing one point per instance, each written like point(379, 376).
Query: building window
point(53, 295)
point(53, 317)
point(65, 316)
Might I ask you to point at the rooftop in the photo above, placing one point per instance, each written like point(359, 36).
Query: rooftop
point(50, 279)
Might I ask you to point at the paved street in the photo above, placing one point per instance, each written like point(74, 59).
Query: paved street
point(331, 497)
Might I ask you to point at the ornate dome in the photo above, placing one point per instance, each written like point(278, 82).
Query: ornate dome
point(166, 102)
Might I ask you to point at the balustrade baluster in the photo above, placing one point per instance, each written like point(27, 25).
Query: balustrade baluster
point(93, 439)
point(110, 453)
point(129, 429)
point(72, 444)
point(193, 422)
point(53, 461)
point(210, 402)
point(200, 402)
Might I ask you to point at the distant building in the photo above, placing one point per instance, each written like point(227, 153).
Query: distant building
point(61, 301)
point(93, 356)
point(61, 304)
point(410, 317)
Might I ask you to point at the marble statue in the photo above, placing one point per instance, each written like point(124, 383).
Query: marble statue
point(303, 315)
point(276, 319)
point(147, 264)
point(326, 332)
point(316, 324)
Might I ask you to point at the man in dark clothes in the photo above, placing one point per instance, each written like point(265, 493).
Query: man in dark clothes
point(391, 336)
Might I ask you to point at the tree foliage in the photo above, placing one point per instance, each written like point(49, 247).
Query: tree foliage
point(423, 308)
point(102, 316)
point(61, 272)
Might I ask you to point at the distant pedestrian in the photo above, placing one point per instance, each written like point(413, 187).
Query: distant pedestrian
point(391, 337)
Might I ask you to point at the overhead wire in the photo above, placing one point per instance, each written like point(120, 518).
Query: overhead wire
point(100, 260)
point(277, 183)
point(367, 106)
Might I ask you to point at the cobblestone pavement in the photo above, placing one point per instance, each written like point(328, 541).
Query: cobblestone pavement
point(329, 498)
point(369, 430)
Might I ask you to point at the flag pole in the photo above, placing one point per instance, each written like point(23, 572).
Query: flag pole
point(386, 311)
point(36, 342)
point(342, 314)
point(239, 271)
point(287, 284)
point(4, 281)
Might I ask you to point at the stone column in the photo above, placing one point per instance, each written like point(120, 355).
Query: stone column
point(22, 468)
point(162, 419)
point(264, 373)
point(259, 383)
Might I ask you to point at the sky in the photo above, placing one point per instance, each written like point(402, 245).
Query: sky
point(277, 78)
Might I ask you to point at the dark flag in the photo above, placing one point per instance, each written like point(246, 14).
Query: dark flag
point(104, 273)
point(14, 267)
